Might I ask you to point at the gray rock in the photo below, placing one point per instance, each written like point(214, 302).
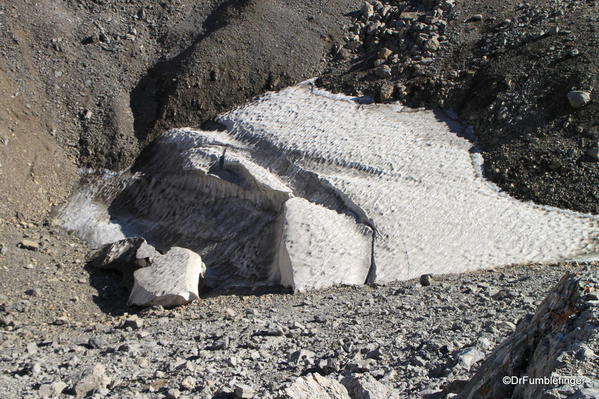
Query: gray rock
point(171, 280)
point(95, 380)
point(51, 391)
point(364, 386)
point(302, 355)
point(243, 391)
point(315, 386)
point(188, 383)
point(383, 71)
point(133, 322)
point(469, 357)
point(579, 98)
point(367, 10)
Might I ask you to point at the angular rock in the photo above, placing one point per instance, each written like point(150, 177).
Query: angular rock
point(243, 391)
point(384, 71)
point(367, 10)
point(364, 386)
point(321, 248)
point(579, 98)
point(171, 280)
point(469, 357)
point(315, 386)
point(51, 391)
point(30, 245)
point(564, 321)
point(95, 381)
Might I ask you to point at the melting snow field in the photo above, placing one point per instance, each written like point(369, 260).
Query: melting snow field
point(316, 189)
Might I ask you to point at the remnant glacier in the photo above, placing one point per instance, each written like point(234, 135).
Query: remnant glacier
point(307, 189)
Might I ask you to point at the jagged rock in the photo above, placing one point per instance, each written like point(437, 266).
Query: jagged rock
point(364, 386)
point(30, 245)
point(367, 10)
point(579, 98)
point(171, 280)
point(320, 247)
point(566, 319)
point(95, 381)
point(469, 357)
point(383, 71)
point(315, 386)
point(125, 256)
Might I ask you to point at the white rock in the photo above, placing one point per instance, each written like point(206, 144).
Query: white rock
point(364, 386)
point(321, 248)
point(469, 357)
point(171, 280)
point(51, 391)
point(315, 386)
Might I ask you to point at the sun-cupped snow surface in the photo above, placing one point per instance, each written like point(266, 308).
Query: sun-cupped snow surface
point(307, 189)
point(412, 176)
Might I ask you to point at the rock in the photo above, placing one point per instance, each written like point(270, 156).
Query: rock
point(364, 386)
point(243, 391)
point(469, 357)
point(315, 386)
point(367, 10)
point(562, 322)
point(306, 260)
point(385, 53)
point(3, 250)
point(302, 355)
point(475, 18)
point(426, 280)
point(133, 322)
point(51, 391)
point(173, 393)
point(432, 44)
point(383, 71)
point(30, 245)
point(171, 280)
point(188, 383)
point(32, 348)
point(95, 381)
point(579, 98)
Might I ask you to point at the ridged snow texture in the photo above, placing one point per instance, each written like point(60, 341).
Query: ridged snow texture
point(398, 192)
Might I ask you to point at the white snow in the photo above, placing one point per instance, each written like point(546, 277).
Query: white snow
point(408, 174)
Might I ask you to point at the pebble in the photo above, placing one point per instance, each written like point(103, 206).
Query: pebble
point(30, 245)
point(579, 98)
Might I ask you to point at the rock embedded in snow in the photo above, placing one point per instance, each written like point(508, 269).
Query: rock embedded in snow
point(171, 280)
point(321, 248)
point(315, 386)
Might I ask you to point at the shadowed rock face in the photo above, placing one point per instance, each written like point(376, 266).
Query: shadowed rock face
point(545, 345)
point(316, 189)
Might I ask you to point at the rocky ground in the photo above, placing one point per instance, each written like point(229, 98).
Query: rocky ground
point(422, 341)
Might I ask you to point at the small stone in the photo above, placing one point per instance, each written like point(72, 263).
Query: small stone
point(173, 393)
point(30, 245)
point(94, 381)
point(96, 342)
point(243, 391)
point(302, 355)
point(432, 44)
point(367, 387)
point(579, 98)
point(32, 292)
point(475, 18)
point(133, 322)
point(230, 313)
point(51, 391)
point(426, 280)
point(383, 71)
point(385, 53)
point(367, 10)
point(32, 348)
point(188, 383)
point(3, 249)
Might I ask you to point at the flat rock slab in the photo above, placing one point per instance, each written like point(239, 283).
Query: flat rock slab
point(305, 175)
point(315, 386)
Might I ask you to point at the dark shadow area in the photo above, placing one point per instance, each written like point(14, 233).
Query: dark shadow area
point(112, 294)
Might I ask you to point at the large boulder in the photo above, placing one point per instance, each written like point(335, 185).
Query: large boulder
point(171, 280)
point(559, 340)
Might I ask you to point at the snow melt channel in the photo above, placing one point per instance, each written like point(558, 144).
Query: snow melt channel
point(316, 190)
